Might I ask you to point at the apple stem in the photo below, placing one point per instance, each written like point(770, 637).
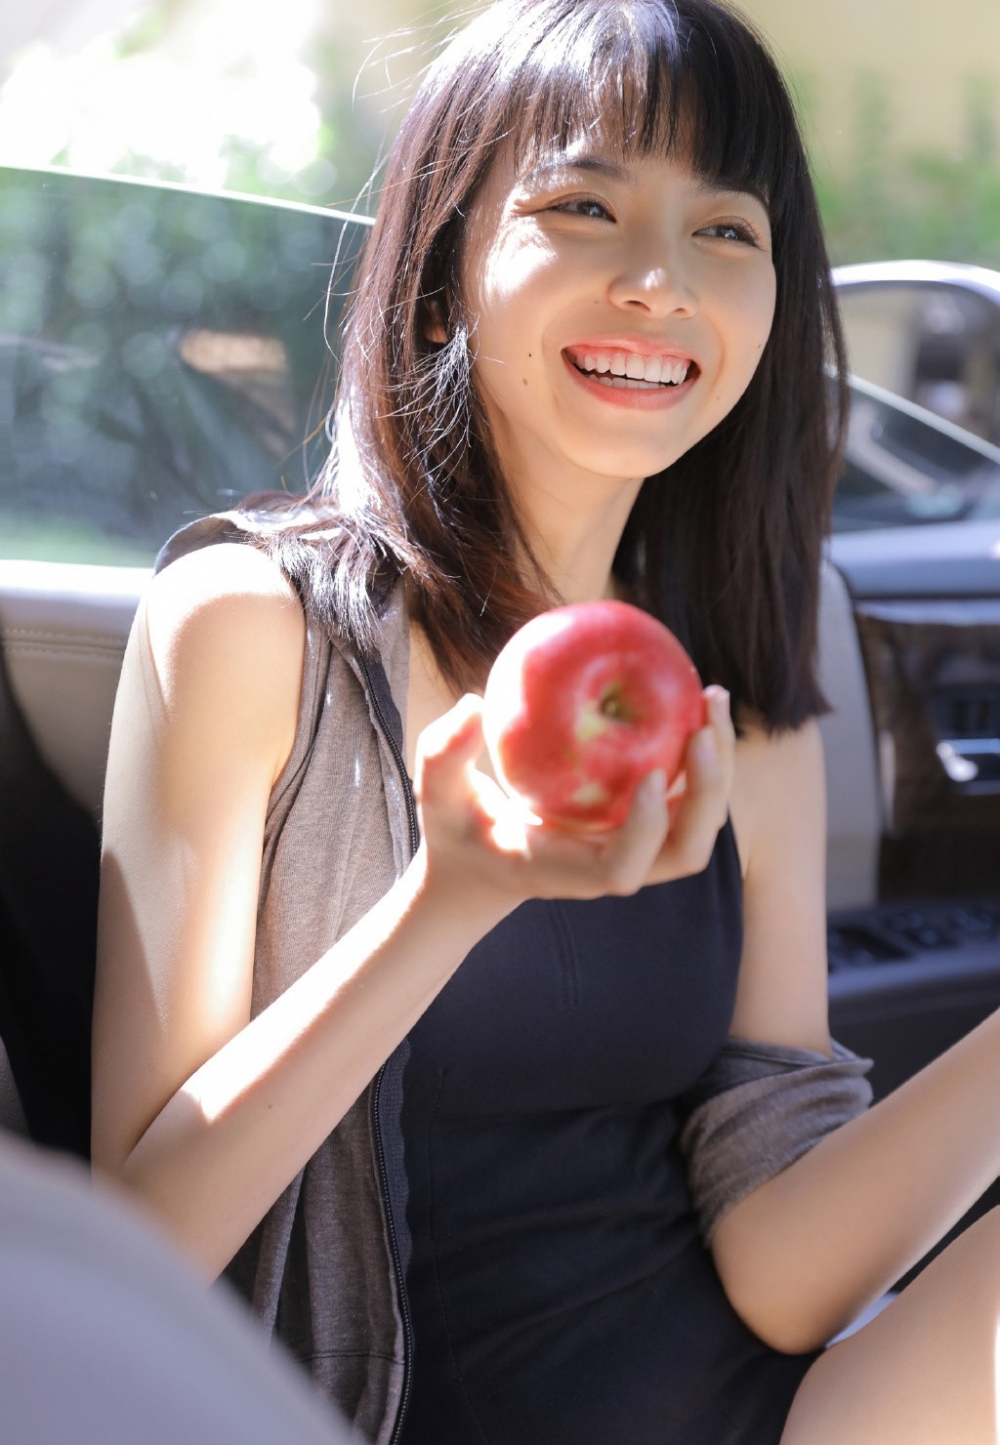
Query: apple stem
point(613, 705)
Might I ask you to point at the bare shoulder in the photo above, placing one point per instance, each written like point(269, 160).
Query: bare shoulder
point(229, 586)
point(224, 623)
point(778, 809)
point(776, 775)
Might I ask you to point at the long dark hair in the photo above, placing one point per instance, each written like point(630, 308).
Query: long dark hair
point(724, 546)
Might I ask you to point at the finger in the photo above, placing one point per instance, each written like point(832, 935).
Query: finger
point(719, 718)
point(705, 803)
point(710, 752)
point(634, 846)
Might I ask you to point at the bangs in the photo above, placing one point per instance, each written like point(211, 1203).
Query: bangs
point(647, 78)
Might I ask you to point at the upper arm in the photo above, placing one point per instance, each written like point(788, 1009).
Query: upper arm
point(204, 720)
point(779, 813)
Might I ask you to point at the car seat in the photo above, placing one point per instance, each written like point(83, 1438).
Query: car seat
point(49, 862)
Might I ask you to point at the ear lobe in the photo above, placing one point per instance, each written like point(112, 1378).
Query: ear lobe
point(434, 327)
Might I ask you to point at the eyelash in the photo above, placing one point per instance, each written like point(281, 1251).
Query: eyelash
point(742, 233)
point(574, 207)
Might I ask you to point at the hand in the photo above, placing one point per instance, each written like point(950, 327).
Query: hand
point(698, 802)
point(482, 850)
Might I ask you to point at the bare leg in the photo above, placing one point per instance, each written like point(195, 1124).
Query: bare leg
point(924, 1372)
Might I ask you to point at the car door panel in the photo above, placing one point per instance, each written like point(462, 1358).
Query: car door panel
point(853, 810)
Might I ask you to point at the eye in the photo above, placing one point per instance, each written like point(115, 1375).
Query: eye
point(732, 231)
point(583, 206)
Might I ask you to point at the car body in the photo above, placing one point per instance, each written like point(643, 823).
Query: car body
point(165, 353)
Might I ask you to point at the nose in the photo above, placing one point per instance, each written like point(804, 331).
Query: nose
point(655, 284)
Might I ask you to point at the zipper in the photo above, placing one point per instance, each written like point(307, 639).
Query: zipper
point(397, 1263)
point(397, 753)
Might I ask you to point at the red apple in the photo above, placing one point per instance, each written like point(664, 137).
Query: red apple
point(582, 703)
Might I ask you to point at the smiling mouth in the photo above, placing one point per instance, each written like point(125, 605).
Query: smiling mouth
point(629, 371)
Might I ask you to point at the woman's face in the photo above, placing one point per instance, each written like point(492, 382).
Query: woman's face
point(620, 308)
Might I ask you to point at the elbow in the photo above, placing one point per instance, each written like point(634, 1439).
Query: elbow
point(119, 1165)
point(773, 1301)
point(779, 1322)
point(161, 1208)
point(110, 1150)
point(114, 1168)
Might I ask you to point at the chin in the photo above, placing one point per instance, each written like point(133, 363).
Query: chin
point(620, 464)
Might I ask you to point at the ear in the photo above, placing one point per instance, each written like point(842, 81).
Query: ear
point(434, 327)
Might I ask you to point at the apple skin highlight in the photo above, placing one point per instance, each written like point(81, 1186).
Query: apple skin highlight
point(582, 704)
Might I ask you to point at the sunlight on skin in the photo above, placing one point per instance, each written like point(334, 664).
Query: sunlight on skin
point(236, 64)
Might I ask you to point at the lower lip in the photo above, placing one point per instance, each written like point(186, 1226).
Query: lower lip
point(632, 398)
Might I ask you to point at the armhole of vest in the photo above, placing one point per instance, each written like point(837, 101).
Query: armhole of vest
point(315, 672)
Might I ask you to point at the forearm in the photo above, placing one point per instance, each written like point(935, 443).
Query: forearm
point(238, 1131)
point(802, 1254)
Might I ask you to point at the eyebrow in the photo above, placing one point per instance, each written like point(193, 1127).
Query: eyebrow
point(594, 164)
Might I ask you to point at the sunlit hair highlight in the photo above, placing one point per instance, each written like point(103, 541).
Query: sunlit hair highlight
point(725, 545)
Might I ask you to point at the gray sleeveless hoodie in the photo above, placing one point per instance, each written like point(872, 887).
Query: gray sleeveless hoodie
point(325, 1267)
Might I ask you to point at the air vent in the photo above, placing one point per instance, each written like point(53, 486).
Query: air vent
point(971, 713)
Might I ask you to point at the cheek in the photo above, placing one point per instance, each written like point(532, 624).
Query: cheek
point(753, 314)
point(512, 282)
point(761, 309)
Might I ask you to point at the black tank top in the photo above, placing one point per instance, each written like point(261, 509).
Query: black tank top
point(558, 1290)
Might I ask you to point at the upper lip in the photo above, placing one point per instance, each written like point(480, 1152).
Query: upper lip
point(637, 345)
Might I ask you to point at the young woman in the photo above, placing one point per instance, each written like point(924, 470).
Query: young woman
point(513, 1135)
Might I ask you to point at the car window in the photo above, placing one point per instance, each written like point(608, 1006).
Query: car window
point(936, 344)
point(162, 355)
point(905, 466)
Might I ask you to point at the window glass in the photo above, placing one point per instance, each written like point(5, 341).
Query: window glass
point(162, 355)
point(936, 344)
point(907, 467)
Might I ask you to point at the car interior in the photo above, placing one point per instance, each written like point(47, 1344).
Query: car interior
point(164, 354)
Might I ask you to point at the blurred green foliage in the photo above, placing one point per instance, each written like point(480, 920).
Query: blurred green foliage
point(162, 355)
point(891, 201)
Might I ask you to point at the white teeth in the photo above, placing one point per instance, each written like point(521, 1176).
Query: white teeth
point(657, 370)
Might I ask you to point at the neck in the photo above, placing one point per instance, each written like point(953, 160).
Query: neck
point(574, 530)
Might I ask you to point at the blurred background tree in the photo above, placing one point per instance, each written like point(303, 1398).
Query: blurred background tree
point(285, 98)
point(297, 99)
